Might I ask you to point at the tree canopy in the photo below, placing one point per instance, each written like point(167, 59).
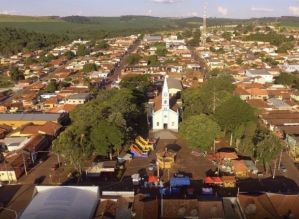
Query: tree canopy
point(137, 82)
point(15, 74)
point(233, 113)
point(200, 132)
point(132, 59)
point(20, 40)
point(106, 136)
point(89, 67)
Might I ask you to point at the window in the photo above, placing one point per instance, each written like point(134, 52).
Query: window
point(165, 101)
point(172, 123)
point(157, 123)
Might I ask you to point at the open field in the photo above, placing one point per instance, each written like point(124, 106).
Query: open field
point(18, 18)
point(50, 25)
point(290, 25)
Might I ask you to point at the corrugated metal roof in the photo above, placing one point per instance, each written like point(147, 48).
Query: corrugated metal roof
point(30, 116)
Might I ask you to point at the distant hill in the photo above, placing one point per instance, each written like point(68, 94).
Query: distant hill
point(102, 27)
point(19, 18)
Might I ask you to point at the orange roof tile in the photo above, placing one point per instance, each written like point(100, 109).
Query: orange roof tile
point(239, 165)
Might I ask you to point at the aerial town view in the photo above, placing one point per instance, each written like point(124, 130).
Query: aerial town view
point(155, 109)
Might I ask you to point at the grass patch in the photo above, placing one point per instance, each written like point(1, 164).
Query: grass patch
point(291, 25)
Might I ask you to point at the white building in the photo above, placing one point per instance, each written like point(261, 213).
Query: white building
point(62, 202)
point(287, 67)
point(164, 110)
point(260, 73)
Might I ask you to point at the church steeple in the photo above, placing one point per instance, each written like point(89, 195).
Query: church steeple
point(165, 95)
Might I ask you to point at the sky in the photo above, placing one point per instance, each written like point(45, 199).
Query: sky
point(156, 8)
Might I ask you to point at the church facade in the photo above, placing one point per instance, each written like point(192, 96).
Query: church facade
point(164, 110)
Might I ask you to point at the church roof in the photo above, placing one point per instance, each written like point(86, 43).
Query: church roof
point(165, 86)
point(158, 103)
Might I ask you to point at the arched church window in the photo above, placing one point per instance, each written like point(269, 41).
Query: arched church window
point(165, 101)
point(157, 123)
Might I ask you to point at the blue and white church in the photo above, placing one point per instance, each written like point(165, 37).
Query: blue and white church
point(165, 110)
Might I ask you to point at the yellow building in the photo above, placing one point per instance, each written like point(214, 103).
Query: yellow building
point(18, 119)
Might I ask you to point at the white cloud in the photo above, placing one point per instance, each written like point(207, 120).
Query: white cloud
point(149, 12)
point(294, 10)
point(165, 1)
point(80, 13)
point(261, 9)
point(12, 12)
point(222, 11)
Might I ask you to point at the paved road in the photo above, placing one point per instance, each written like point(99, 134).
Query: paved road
point(117, 71)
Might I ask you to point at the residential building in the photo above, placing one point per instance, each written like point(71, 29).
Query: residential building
point(18, 119)
point(262, 73)
point(290, 67)
point(78, 98)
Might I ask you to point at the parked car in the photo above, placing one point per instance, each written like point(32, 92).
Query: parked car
point(151, 166)
point(55, 167)
point(37, 181)
point(70, 181)
point(283, 169)
point(42, 159)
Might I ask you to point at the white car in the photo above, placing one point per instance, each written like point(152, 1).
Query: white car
point(283, 169)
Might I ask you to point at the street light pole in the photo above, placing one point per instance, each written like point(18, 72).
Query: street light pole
point(279, 159)
point(24, 164)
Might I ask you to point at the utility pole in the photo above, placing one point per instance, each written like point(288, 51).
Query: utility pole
point(214, 147)
point(274, 168)
point(8, 178)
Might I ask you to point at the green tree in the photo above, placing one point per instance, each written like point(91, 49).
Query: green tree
point(285, 79)
point(239, 61)
point(233, 113)
point(192, 103)
point(268, 149)
point(102, 45)
point(132, 59)
point(216, 91)
point(74, 145)
point(161, 52)
point(89, 67)
point(137, 82)
point(29, 61)
point(153, 60)
point(52, 86)
point(69, 54)
point(200, 132)
point(105, 136)
point(15, 74)
point(82, 50)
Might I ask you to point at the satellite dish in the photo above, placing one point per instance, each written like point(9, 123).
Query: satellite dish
point(291, 216)
point(181, 211)
point(251, 208)
point(193, 212)
point(213, 210)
